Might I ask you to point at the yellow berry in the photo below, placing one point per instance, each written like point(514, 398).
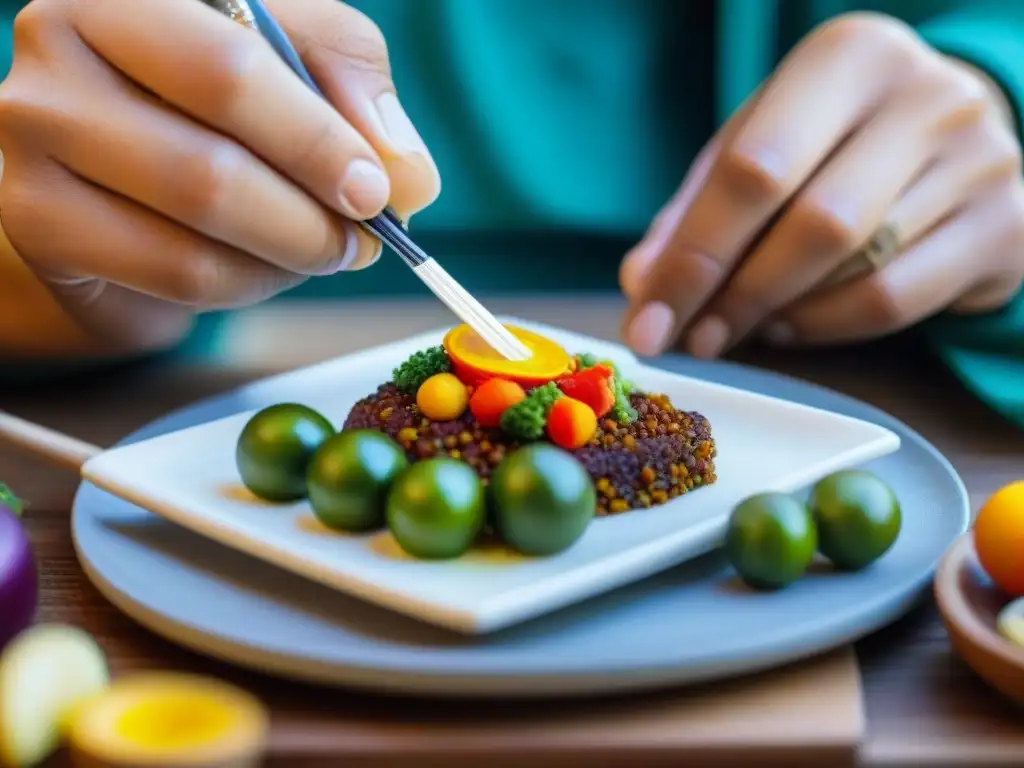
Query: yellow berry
point(442, 397)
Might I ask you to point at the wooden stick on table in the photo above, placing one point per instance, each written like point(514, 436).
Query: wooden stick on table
point(55, 447)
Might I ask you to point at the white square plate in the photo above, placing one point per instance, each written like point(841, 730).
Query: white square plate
point(189, 477)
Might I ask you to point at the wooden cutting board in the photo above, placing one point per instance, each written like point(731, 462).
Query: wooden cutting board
point(807, 714)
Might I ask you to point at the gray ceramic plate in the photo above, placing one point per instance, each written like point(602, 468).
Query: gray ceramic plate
point(691, 624)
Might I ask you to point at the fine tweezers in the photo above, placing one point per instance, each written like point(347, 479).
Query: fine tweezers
point(386, 226)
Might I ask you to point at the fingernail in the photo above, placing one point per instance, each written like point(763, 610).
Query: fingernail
point(364, 190)
point(399, 128)
point(651, 330)
point(372, 258)
point(361, 250)
point(708, 337)
point(351, 255)
point(779, 333)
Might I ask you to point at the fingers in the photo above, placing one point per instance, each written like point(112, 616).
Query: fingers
point(838, 210)
point(798, 122)
point(68, 228)
point(342, 50)
point(146, 152)
point(226, 76)
point(943, 266)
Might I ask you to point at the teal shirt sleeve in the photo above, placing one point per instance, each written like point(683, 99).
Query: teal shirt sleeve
point(986, 352)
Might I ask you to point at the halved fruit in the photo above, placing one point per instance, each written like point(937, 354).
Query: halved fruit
point(474, 360)
point(169, 720)
point(45, 672)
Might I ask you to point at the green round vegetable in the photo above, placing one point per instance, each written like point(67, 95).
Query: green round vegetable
point(858, 518)
point(275, 448)
point(770, 540)
point(436, 508)
point(543, 499)
point(349, 476)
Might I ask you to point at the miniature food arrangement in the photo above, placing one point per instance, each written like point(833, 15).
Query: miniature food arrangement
point(999, 538)
point(852, 518)
point(462, 442)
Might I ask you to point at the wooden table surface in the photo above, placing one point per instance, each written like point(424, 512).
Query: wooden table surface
point(922, 706)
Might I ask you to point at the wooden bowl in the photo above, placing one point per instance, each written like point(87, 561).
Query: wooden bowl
point(970, 603)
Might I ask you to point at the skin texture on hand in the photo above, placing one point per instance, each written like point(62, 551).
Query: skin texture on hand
point(204, 175)
point(861, 125)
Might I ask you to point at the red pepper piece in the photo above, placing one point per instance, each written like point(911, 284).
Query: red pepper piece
point(592, 386)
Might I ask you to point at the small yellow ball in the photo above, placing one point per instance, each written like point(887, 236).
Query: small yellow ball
point(442, 397)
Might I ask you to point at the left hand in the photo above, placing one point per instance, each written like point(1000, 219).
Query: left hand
point(862, 126)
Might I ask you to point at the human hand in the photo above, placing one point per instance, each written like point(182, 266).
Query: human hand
point(862, 127)
point(160, 159)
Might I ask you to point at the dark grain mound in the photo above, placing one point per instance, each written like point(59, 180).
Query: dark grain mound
point(662, 455)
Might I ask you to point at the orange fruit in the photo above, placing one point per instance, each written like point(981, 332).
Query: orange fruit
point(999, 538)
point(571, 423)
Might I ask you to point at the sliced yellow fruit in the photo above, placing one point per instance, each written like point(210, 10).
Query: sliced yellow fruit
point(1010, 622)
point(474, 360)
point(169, 720)
point(45, 672)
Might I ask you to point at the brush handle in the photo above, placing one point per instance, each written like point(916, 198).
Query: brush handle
point(42, 442)
point(254, 14)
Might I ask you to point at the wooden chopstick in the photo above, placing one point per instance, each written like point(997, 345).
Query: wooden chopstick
point(55, 447)
point(386, 226)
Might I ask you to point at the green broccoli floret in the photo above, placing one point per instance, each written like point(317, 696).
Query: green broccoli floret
point(419, 367)
point(623, 411)
point(526, 419)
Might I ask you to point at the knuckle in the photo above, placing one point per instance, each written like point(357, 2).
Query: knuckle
point(207, 180)
point(877, 31)
point(365, 46)
point(32, 26)
point(746, 174)
point(964, 100)
point(230, 71)
point(821, 228)
point(357, 40)
point(1009, 159)
point(198, 281)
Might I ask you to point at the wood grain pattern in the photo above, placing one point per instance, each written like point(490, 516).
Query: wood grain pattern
point(922, 705)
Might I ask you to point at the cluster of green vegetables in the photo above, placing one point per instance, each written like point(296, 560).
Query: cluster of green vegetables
point(852, 518)
point(526, 419)
point(539, 500)
point(419, 367)
point(623, 411)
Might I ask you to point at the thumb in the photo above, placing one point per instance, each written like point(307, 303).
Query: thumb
point(347, 56)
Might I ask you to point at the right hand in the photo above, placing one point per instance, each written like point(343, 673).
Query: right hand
point(159, 159)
